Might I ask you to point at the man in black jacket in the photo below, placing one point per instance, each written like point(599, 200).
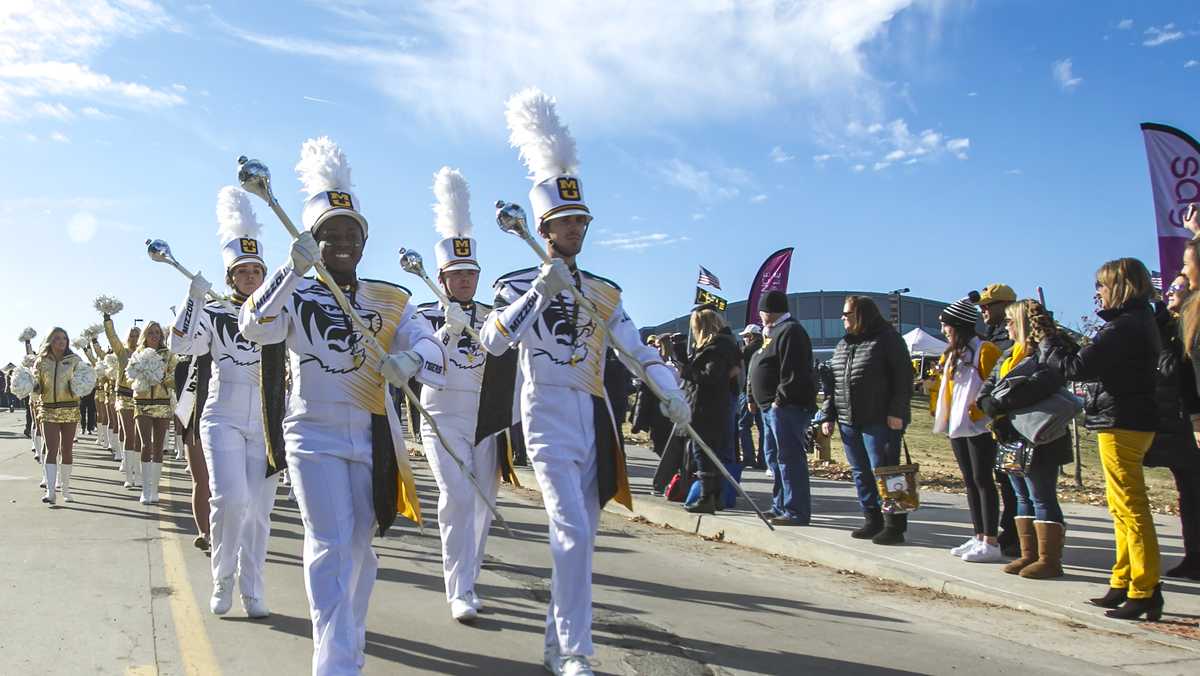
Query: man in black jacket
point(783, 388)
point(993, 301)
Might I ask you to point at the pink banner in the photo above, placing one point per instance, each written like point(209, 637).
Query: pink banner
point(1174, 160)
point(773, 275)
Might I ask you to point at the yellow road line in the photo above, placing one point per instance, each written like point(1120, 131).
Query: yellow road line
point(195, 649)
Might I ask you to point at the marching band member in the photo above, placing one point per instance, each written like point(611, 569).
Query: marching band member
point(344, 452)
point(463, 518)
point(61, 378)
point(231, 431)
point(130, 444)
point(574, 445)
point(151, 371)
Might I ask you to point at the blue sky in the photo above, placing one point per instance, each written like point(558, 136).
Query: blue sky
point(931, 144)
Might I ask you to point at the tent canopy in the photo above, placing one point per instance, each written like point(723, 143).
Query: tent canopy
point(921, 344)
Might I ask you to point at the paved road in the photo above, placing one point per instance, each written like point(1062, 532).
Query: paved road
point(107, 586)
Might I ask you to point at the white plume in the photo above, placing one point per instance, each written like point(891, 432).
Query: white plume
point(545, 144)
point(107, 305)
point(27, 335)
point(83, 380)
point(20, 382)
point(145, 369)
point(235, 215)
point(323, 166)
point(453, 208)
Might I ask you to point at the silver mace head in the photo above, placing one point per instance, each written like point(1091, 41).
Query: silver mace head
point(411, 261)
point(159, 251)
point(255, 177)
point(511, 218)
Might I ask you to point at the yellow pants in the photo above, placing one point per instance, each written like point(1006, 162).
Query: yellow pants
point(1137, 561)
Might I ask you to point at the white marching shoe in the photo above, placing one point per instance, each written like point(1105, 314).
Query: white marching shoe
point(51, 471)
point(129, 460)
point(574, 665)
point(64, 475)
point(462, 610)
point(146, 472)
point(474, 600)
point(222, 596)
point(255, 608)
point(155, 476)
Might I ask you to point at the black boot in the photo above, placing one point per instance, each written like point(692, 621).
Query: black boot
point(1113, 598)
point(1134, 608)
point(707, 502)
point(1188, 568)
point(894, 526)
point(874, 524)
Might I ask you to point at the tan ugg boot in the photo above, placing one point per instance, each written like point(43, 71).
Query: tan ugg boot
point(1051, 535)
point(1029, 545)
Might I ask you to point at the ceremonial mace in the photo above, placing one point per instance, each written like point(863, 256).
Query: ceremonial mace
point(511, 219)
point(410, 261)
point(160, 251)
point(255, 177)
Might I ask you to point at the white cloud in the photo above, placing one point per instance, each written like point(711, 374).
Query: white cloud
point(959, 147)
point(53, 110)
point(639, 241)
point(778, 154)
point(972, 93)
point(82, 227)
point(825, 157)
point(895, 156)
point(1125, 24)
point(1065, 76)
point(635, 61)
point(1191, 63)
point(59, 137)
point(94, 113)
point(1013, 172)
point(758, 199)
point(709, 185)
point(859, 167)
point(886, 144)
point(315, 99)
point(698, 216)
point(46, 46)
point(31, 138)
point(1160, 36)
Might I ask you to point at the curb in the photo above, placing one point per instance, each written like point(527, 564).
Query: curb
point(827, 552)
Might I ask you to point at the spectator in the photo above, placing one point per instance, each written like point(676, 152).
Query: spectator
point(617, 384)
point(1123, 360)
point(749, 421)
point(647, 415)
point(872, 375)
point(967, 361)
point(1021, 380)
point(1182, 456)
point(783, 388)
point(993, 301)
point(706, 382)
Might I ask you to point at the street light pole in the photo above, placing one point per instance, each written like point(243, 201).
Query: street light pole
point(899, 307)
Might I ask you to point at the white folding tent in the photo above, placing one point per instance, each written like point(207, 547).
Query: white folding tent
point(921, 344)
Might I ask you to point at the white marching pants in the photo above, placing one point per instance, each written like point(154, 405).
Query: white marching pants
point(242, 497)
point(463, 518)
point(561, 440)
point(335, 498)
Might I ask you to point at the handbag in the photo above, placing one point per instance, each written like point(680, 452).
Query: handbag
point(1014, 458)
point(1048, 419)
point(677, 488)
point(899, 485)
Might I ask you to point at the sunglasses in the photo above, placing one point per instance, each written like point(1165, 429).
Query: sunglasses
point(1176, 288)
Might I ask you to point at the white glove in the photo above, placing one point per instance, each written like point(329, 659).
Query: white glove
point(676, 408)
point(305, 253)
point(553, 279)
point(199, 288)
point(456, 319)
point(400, 368)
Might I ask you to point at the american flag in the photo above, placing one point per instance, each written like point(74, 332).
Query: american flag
point(707, 278)
point(1155, 279)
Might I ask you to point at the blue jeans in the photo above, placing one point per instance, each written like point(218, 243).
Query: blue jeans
point(1037, 493)
point(745, 420)
point(787, 458)
point(868, 447)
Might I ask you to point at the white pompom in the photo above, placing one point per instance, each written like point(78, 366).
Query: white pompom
point(108, 305)
point(145, 369)
point(20, 383)
point(112, 366)
point(83, 380)
point(29, 360)
point(27, 335)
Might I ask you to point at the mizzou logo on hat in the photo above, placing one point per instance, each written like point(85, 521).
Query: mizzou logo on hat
point(249, 246)
point(568, 189)
point(462, 247)
point(340, 200)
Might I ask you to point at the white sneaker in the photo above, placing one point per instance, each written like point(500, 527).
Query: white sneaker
point(462, 610)
point(256, 608)
point(965, 547)
point(769, 474)
point(474, 600)
point(222, 596)
point(984, 553)
point(574, 665)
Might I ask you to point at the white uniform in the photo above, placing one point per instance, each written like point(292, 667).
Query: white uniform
point(463, 519)
point(327, 431)
point(231, 432)
point(564, 411)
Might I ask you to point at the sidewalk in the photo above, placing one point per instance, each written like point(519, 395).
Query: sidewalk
point(924, 560)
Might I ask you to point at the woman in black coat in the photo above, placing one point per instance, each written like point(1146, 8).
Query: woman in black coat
point(708, 382)
point(1021, 380)
point(1175, 444)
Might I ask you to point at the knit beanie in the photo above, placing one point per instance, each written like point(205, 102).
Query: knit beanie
point(774, 302)
point(962, 312)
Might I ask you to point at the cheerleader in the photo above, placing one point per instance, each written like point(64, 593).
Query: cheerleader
point(60, 378)
point(88, 346)
point(151, 371)
point(130, 447)
point(231, 427)
point(194, 384)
